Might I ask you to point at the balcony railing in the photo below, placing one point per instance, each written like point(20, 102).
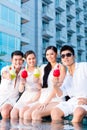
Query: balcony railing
point(47, 13)
point(23, 1)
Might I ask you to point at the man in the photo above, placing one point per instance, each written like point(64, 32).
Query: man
point(10, 79)
point(74, 85)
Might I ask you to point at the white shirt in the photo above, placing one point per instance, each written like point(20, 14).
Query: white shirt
point(8, 88)
point(76, 86)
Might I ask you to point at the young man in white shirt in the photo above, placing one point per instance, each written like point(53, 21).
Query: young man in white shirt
point(74, 85)
point(10, 79)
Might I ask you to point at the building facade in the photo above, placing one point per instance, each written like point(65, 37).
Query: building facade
point(36, 24)
point(14, 19)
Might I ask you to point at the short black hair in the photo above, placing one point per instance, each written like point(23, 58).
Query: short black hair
point(67, 47)
point(17, 52)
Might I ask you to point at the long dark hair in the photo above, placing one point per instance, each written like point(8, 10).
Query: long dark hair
point(48, 67)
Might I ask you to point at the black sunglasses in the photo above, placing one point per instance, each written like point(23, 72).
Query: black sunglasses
point(67, 55)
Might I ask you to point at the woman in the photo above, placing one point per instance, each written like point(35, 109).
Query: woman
point(31, 87)
point(48, 97)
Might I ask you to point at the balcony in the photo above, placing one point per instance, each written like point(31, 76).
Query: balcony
point(24, 40)
point(70, 13)
point(80, 48)
point(48, 1)
point(70, 2)
point(70, 29)
point(23, 21)
point(79, 19)
point(60, 38)
point(79, 6)
point(23, 1)
point(25, 35)
point(60, 22)
point(47, 14)
point(25, 15)
point(59, 5)
point(80, 34)
point(47, 33)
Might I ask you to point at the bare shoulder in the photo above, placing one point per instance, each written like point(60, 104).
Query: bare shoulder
point(62, 67)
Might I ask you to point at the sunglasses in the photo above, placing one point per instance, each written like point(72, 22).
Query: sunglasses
point(66, 55)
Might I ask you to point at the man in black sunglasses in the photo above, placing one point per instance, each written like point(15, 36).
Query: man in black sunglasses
point(74, 85)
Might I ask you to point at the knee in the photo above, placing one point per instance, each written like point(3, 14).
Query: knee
point(5, 112)
point(36, 115)
point(21, 113)
point(79, 112)
point(54, 113)
point(27, 115)
point(14, 113)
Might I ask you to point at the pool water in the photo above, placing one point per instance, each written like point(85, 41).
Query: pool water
point(21, 125)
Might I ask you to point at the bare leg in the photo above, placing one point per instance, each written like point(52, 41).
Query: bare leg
point(28, 113)
point(37, 114)
point(56, 115)
point(5, 111)
point(77, 126)
point(78, 114)
point(22, 111)
point(4, 124)
point(14, 113)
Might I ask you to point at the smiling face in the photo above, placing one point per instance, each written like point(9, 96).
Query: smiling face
point(67, 58)
point(17, 61)
point(31, 60)
point(51, 56)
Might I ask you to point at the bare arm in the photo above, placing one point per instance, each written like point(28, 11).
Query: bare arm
point(22, 85)
point(58, 81)
point(82, 101)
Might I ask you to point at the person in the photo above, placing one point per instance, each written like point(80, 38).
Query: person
point(48, 97)
point(31, 85)
point(9, 84)
point(74, 85)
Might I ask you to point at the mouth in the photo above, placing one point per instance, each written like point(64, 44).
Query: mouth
point(18, 66)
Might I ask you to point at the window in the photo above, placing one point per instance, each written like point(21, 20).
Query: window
point(10, 18)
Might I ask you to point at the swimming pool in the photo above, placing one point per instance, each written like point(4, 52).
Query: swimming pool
point(20, 125)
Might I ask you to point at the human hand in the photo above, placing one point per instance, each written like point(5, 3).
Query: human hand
point(42, 106)
point(82, 101)
point(56, 82)
point(6, 75)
